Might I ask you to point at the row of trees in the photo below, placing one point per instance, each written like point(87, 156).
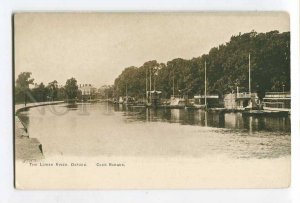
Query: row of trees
point(227, 69)
point(41, 92)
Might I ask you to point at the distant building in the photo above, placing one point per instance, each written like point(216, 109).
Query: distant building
point(87, 91)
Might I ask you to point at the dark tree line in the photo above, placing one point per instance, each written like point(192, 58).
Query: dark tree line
point(227, 68)
point(41, 92)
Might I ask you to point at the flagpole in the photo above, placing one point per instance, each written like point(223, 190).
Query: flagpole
point(249, 74)
point(150, 87)
point(205, 84)
point(146, 85)
point(173, 84)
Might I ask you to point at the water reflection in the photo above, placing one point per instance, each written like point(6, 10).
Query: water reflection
point(182, 116)
point(23, 116)
point(72, 106)
point(204, 118)
point(103, 129)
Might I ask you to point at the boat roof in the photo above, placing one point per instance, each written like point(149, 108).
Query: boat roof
point(155, 91)
point(207, 96)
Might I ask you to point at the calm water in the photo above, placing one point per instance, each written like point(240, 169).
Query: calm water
point(114, 130)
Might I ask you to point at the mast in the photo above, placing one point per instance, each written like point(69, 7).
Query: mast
point(205, 84)
point(146, 84)
point(107, 104)
point(150, 86)
point(154, 81)
point(249, 75)
point(173, 84)
point(81, 96)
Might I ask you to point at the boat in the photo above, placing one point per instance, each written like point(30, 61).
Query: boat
point(277, 101)
point(121, 100)
point(176, 102)
point(154, 99)
point(245, 100)
point(213, 101)
point(128, 101)
point(197, 106)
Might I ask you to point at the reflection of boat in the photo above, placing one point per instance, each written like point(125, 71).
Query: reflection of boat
point(175, 115)
point(264, 113)
point(195, 106)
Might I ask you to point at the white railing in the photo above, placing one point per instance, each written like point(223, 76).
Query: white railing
point(207, 96)
point(243, 95)
point(278, 95)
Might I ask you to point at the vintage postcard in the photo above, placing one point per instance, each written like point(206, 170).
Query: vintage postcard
point(181, 100)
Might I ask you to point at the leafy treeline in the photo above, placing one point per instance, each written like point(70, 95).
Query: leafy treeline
point(41, 92)
point(227, 68)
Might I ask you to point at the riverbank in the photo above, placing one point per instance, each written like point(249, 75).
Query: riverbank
point(27, 148)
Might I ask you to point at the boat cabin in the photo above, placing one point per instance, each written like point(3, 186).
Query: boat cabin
point(176, 101)
point(211, 100)
point(154, 97)
point(240, 100)
point(128, 100)
point(279, 101)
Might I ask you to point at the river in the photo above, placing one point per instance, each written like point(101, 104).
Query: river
point(91, 130)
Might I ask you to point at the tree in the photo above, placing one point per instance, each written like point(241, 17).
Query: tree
point(227, 69)
point(71, 88)
point(61, 93)
point(53, 89)
point(22, 85)
point(40, 92)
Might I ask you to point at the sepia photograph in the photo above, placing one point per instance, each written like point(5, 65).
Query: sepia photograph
point(152, 100)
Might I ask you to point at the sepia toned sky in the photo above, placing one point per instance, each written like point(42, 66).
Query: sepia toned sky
point(95, 47)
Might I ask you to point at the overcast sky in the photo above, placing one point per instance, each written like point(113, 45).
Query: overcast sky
point(95, 47)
